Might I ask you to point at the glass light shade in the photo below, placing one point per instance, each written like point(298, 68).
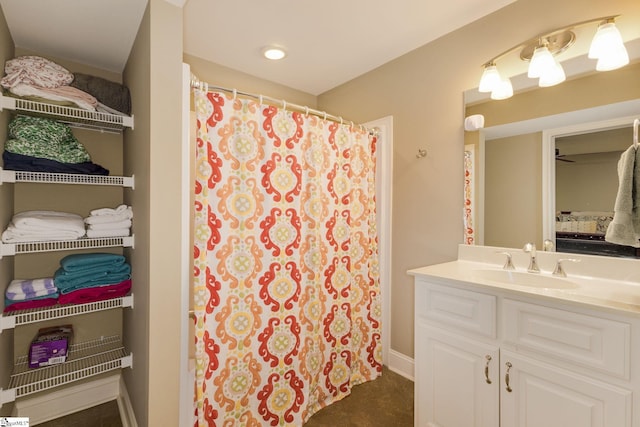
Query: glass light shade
point(490, 79)
point(541, 61)
point(552, 76)
point(504, 90)
point(607, 38)
point(613, 59)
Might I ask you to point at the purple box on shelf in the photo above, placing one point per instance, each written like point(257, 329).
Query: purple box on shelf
point(50, 346)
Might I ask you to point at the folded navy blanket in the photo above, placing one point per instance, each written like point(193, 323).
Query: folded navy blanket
point(111, 94)
point(20, 162)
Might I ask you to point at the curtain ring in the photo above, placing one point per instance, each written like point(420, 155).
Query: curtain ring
point(340, 121)
point(260, 99)
point(284, 105)
point(306, 111)
point(235, 93)
point(325, 115)
point(351, 127)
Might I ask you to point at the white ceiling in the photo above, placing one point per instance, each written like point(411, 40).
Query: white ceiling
point(328, 42)
point(94, 32)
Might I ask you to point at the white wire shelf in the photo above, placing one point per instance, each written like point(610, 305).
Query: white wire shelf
point(12, 176)
point(10, 249)
point(85, 360)
point(23, 317)
point(76, 117)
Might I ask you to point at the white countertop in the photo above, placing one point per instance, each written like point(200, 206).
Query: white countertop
point(600, 282)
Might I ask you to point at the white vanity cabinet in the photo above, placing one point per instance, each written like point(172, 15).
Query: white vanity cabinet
point(489, 358)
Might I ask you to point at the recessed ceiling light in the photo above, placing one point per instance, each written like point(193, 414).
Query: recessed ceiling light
point(274, 53)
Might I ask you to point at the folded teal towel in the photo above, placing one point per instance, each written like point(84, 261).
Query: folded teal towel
point(92, 260)
point(64, 280)
point(93, 283)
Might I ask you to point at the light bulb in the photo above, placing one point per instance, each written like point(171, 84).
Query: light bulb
point(490, 79)
point(552, 76)
point(607, 37)
point(504, 90)
point(541, 61)
point(613, 59)
point(274, 53)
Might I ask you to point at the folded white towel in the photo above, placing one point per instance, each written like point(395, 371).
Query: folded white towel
point(122, 209)
point(31, 226)
point(42, 220)
point(118, 232)
point(110, 225)
point(108, 215)
point(13, 235)
point(625, 227)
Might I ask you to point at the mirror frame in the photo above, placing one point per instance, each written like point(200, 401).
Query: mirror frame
point(589, 120)
point(548, 162)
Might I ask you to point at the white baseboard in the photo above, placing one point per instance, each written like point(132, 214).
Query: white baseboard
point(401, 364)
point(124, 405)
point(58, 403)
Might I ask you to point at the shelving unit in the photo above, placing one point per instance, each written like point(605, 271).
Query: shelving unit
point(85, 360)
point(12, 176)
point(34, 315)
point(89, 358)
point(10, 249)
point(76, 117)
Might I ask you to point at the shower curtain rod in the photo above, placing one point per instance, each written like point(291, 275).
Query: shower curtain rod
point(197, 84)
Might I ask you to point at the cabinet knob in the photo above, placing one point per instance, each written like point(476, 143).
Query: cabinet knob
point(506, 377)
point(486, 369)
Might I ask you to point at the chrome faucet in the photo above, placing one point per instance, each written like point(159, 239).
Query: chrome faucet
point(559, 271)
point(508, 264)
point(530, 248)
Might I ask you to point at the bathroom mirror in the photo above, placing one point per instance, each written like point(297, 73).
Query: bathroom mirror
point(520, 184)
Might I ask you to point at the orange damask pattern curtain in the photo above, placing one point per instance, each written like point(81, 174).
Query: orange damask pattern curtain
point(287, 296)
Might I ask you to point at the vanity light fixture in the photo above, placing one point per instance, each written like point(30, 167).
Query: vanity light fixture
point(274, 53)
point(541, 51)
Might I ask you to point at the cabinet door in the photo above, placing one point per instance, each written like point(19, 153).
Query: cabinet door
point(457, 380)
point(545, 396)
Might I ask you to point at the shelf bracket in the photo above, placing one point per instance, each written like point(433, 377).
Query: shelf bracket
point(7, 322)
point(7, 176)
point(7, 396)
point(7, 249)
point(127, 361)
point(127, 301)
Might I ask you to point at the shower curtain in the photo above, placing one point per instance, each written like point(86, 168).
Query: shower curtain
point(286, 283)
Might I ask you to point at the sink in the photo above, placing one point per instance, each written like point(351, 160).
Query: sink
point(534, 280)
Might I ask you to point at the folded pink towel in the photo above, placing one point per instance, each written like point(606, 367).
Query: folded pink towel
point(98, 293)
point(34, 303)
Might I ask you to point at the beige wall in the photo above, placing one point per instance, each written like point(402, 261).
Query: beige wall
point(153, 153)
point(137, 144)
point(513, 191)
point(423, 91)
point(6, 211)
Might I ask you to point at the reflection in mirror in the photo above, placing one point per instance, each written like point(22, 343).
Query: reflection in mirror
point(586, 185)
